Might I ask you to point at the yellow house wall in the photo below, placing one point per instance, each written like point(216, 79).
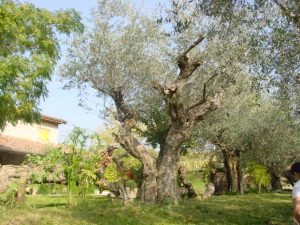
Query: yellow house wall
point(31, 131)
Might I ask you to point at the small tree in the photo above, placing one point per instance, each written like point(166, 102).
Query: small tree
point(74, 163)
point(259, 174)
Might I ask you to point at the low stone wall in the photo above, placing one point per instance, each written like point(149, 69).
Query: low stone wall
point(12, 173)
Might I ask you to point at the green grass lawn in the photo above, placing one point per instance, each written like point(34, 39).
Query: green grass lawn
point(251, 209)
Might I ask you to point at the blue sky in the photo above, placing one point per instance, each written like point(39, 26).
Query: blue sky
point(64, 103)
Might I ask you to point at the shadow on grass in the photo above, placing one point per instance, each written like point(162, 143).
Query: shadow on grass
point(269, 209)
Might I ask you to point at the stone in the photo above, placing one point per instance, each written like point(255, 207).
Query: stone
point(107, 193)
point(96, 192)
point(12, 173)
point(131, 192)
point(285, 184)
point(209, 190)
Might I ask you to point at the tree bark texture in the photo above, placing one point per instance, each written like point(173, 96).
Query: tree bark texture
point(233, 169)
point(168, 159)
point(275, 179)
point(149, 185)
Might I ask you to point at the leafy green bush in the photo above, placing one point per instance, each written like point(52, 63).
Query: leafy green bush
point(111, 173)
point(77, 163)
point(131, 184)
point(259, 174)
point(8, 198)
point(83, 190)
point(46, 189)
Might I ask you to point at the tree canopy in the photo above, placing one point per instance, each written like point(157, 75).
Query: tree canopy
point(29, 50)
point(141, 64)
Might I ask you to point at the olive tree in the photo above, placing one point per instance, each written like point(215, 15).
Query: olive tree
point(252, 127)
point(140, 64)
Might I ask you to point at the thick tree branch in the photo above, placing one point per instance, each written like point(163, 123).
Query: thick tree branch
point(125, 137)
point(184, 54)
point(204, 97)
point(210, 105)
point(117, 160)
point(165, 91)
point(124, 110)
point(172, 93)
point(205, 84)
point(186, 66)
point(201, 102)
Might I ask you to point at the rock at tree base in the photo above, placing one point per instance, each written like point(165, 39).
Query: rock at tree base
point(209, 190)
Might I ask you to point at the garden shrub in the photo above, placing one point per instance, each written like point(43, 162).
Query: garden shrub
point(46, 189)
point(259, 174)
point(8, 198)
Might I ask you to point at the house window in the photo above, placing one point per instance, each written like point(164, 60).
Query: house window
point(43, 134)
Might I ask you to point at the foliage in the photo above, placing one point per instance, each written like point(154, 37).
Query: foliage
point(197, 160)
point(46, 189)
point(128, 169)
point(259, 174)
point(289, 9)
point(29, 51)
point(227, 210)
point(168, 82)
point(172, 73)
point(157, 125)
point(73, 162)
point(111, 173)
point(78, 163)
point(128, 172)
point(94, 60)
point(131, 163)
point(50, 164)
point(80, 166)
point(8, 198)
point(275, 35)
point(256, 125)
point(274, 142)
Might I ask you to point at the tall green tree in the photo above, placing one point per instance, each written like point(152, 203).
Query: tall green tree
point(29, 50)
point(140, 64)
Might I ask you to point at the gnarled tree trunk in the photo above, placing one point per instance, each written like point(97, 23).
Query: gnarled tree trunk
point(275, 179)
point(167, 187)
point(167, 163)
point(233, 168)
point(149, 185)
point(160, 176)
